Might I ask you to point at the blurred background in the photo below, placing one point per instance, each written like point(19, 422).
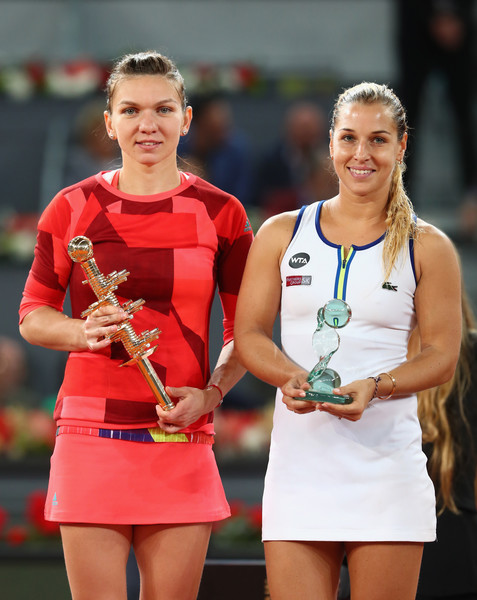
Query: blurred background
point(261, 76)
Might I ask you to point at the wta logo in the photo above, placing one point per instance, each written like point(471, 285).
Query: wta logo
point(299, 260)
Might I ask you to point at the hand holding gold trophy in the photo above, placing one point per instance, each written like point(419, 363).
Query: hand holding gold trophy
point(80, 250)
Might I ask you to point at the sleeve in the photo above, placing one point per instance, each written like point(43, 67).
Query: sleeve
point(235, 237)
point(48, 278)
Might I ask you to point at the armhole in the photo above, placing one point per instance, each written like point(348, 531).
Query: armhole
point(298, 220)
point(411, 250)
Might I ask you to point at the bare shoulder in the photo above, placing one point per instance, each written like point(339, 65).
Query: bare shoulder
point(274, 236)
point(433, 246)
point(430, 236)
point(281, 224)
point(279, 228)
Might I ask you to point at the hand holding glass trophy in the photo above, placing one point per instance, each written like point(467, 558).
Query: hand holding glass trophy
point(334, 315)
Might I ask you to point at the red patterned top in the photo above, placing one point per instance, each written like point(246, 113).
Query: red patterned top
point(178, 246)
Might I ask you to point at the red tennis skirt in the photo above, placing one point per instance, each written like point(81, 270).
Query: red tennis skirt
point(109, 481)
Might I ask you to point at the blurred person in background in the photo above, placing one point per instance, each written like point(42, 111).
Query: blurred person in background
point(215, 149)
point(448, 416)
point(321, 182)
point(13, 375)
point(91, 150)
point(437, 37)
point(125, 472)
point(295, 168)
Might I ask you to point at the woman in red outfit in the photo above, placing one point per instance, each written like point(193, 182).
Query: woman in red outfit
point(124, 471)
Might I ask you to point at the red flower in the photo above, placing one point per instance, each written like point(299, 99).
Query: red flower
point(6, 430)
point(23, 222)
point(255, 516)
point(3, 518)
point(247, 74)
point(35, 514)
point(41, 427)
point(231, 425)
point(237, 508)
point(36, 71)
point(16, 535)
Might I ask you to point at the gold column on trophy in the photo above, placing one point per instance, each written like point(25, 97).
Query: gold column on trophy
point(137, 346)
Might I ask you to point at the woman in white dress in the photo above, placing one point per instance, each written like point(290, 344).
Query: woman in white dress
point(350, 478)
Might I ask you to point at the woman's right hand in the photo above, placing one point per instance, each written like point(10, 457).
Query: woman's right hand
point(100, 323)
point(294, 394)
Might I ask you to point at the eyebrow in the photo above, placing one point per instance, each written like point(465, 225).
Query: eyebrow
point(164, 101)
point(373, 132)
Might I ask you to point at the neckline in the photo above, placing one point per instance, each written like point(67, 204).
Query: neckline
point(108, 180)
point(332, 244)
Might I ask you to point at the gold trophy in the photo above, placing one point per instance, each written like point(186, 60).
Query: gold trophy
point(138, 347)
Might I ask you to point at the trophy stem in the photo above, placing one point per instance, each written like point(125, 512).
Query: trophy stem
point(80, 250)
point(144, 365)
point(95, 277)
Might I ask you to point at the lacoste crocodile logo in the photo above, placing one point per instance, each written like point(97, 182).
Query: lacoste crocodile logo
point(387, 285)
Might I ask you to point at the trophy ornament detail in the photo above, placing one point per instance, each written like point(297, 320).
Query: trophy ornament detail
point(80, 250)
point(334, 315)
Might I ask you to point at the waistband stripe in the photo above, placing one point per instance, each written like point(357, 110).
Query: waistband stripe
point(153, 434)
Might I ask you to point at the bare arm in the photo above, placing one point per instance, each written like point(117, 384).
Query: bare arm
point(47, 327)
point(228, 371)
point(194, 402)
point(439, 314)
point(259, 303)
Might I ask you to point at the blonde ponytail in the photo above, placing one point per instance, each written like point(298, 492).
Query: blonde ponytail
point(400, 221)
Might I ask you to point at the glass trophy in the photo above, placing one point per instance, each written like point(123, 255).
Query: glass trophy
point(334, 315)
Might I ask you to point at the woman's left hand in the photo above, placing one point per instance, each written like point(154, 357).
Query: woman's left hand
point(360, 390)
point(191, 404)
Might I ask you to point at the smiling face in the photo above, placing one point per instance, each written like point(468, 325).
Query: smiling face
point(147, 119)
point(364, 146)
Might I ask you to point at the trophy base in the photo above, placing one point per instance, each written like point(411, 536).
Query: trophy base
point(322, 389)
point(321, 396)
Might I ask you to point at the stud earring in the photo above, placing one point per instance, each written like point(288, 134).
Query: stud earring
point(184, 131)
point(111, 135)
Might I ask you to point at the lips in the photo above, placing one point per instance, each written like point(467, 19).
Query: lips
point(148, 143)
point(360, 172)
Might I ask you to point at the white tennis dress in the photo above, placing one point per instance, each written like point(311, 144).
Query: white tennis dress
point(337, 480)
